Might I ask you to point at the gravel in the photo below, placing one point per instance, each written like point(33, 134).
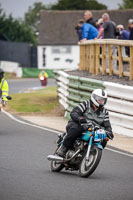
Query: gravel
point(124, 80)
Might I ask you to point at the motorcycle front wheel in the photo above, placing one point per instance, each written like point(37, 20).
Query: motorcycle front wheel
point(56, 166)
point(88, 167)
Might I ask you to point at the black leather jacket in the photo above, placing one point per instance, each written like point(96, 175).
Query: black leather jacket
point(85, 109)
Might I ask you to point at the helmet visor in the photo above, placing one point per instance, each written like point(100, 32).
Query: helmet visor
point(100, 100)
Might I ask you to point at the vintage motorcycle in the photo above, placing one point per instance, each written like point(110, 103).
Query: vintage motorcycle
point(85, 154)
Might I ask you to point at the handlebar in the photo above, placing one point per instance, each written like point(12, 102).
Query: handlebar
point(94, 126)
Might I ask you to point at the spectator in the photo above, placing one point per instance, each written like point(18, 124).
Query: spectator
point(109, 28)
point(109, 31)
point(100, 26)
point(124, 35)
point(79, 32)
point(130, 25)
point(88, 31)
point(88, 18)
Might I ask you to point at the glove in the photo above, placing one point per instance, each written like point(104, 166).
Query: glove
point(82, 120)
point(4, 103)
point(111, 135)
point(97, 127)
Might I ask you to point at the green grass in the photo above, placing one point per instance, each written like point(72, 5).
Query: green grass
point(8, 75)
point(40, 102)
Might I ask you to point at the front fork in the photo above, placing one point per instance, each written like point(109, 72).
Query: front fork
point(89, 148)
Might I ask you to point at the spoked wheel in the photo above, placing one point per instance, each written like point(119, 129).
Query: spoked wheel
point(88, 167)
point(56, 166)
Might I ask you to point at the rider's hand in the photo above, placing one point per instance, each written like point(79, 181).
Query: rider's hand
point(111, 135)
point(82, 120)
point(4, 103)
point(97, 127)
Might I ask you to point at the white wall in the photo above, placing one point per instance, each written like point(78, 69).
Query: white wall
point(11, 67)
point(58, 57)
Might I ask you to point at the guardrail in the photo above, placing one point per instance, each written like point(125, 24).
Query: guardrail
point(107, 56)
point(73, 89)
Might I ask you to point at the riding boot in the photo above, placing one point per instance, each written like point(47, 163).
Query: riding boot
point(62, 151)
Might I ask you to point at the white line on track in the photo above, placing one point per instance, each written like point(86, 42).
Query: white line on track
point(54, 131)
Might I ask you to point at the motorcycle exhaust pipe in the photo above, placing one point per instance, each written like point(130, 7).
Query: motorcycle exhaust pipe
point(55, 158)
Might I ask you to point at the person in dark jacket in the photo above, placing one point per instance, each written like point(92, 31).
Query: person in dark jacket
point(124, 34)
point(130, 22)
point(88, 18)
point(88, 111)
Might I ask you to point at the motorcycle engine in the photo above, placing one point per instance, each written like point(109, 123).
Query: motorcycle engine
point(69, 154)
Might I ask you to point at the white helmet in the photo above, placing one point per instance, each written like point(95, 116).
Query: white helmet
point(99, 97)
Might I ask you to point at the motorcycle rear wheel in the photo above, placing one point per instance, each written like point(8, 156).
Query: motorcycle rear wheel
point(86, 169)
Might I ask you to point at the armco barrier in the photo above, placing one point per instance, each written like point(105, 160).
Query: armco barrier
point(73, 90)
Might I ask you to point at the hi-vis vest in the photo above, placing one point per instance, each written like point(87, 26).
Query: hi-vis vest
point(4, 89)
point(43, 74)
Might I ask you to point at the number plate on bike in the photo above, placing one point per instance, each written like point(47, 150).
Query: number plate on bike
point(100, 135)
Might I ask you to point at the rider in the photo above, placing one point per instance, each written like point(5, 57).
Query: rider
point(3, 87)
point(90, 110)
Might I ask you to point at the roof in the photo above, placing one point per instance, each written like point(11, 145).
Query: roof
point(57, 27)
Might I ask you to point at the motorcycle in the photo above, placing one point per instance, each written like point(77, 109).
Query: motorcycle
point(85, 154)
point(43, 80)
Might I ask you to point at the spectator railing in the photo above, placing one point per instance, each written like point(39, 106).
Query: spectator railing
point(106, 56)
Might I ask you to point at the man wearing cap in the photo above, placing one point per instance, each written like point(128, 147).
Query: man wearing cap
point(124, 34)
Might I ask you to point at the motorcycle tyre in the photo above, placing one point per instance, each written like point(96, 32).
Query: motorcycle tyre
point(58, 168)
point(94, 165)
point(53, 165)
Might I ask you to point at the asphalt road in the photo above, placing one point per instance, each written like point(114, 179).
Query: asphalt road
point(20, 85)
point(25, 172)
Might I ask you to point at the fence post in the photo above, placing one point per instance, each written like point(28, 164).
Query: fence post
point(103, 59)
point(81, 66)
point(110, 59)
point(88, 57)
point(131, 62)
point(97, 59)
point(120, 61)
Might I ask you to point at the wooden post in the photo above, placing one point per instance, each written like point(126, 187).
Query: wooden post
point(110, 59)
point(82, 57)
point(80, 64)
point(92, 57)
point(87, 57)
point(131, 62)
point(97, 59)
point(120, 61)
point(103, 59)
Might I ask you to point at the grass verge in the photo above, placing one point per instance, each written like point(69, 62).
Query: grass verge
point(41, 102)
point(9, 75)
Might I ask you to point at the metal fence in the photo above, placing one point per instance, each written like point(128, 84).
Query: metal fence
point(23, 53)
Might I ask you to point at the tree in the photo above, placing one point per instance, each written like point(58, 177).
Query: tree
point(13, 30)
point(32, 17)
point(78, 5)
point(127, 4)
